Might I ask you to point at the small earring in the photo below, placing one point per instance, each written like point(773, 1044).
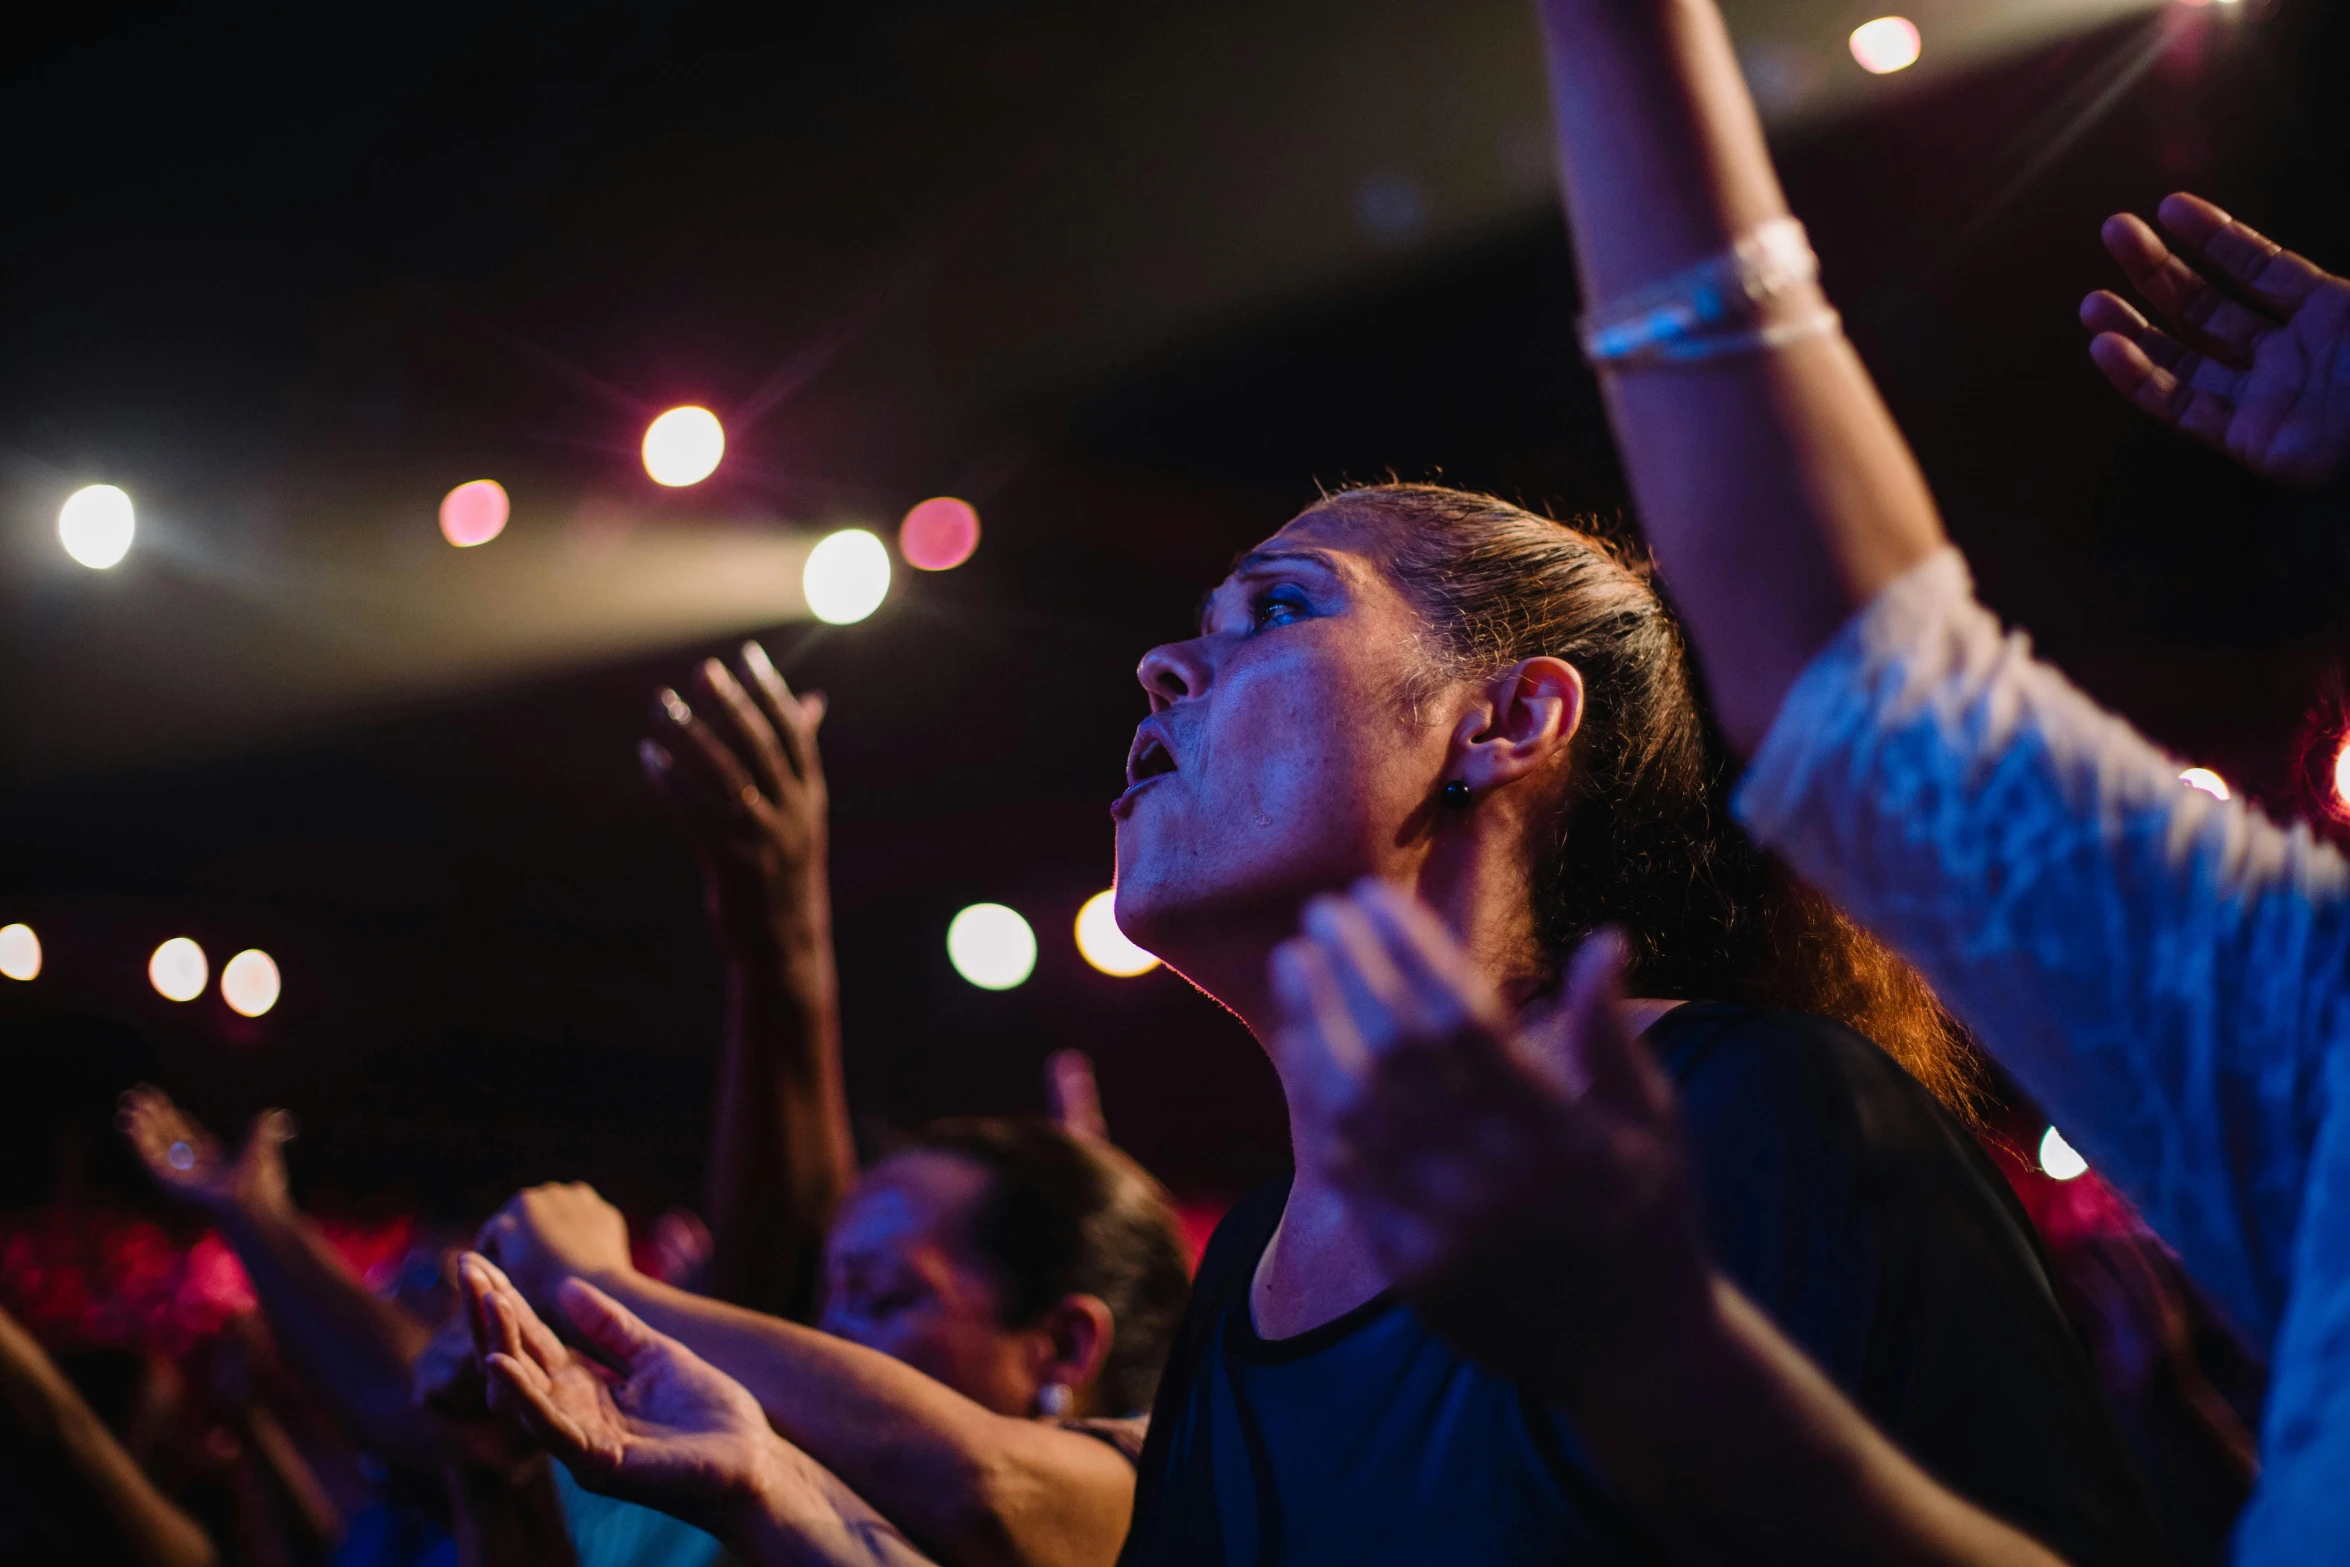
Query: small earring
point(1455, 794)
point(1054, 1401)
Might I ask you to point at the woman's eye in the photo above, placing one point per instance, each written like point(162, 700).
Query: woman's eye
point(1279, 608)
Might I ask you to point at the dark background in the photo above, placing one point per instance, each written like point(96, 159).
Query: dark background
point(276, 271)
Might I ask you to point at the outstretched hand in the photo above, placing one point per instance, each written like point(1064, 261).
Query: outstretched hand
point(1528, 1188)
point(190, 1164)
point(740, 763)
point(547, 1233)
point(2262, 373)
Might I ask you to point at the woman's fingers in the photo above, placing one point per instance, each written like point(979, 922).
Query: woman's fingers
point(518, 1388)
point(2197, 410)
point(696, 752)
point(1448, 992)
point(794, 719)
point(748, 731)
point(1385, 1012)
point(2207, 318)
point(608, 1326)
point(1610, 1066)
point(2275, 277)
point(1322, 1058)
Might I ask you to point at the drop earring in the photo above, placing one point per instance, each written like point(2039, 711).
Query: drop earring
point(1054, 1401)
point(1455, 794)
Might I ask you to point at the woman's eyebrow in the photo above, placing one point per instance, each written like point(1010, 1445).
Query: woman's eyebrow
point(1257, 560)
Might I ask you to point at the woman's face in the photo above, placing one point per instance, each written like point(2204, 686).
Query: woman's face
point(1282, 756)
point(898, 1278)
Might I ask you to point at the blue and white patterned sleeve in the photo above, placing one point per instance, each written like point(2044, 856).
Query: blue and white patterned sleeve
point(2161, 969)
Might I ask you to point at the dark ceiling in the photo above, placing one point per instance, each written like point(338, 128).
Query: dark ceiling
point(1134, 279)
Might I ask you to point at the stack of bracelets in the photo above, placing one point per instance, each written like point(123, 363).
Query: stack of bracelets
point(1714, 308)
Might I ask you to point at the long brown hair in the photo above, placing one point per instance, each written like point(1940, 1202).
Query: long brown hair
point(1643, 838)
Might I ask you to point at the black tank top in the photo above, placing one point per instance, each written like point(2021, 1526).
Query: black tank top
point(1839, 1196)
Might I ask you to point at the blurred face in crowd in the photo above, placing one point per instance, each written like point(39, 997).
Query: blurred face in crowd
point(1284, 754)
point(899, 1277)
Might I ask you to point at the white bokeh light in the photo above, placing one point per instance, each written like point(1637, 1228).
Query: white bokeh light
point(991, 946)
point(1104, 945)
point(20, 952)
point(683, 446)
point(2205, 779)
point(847, 576)
point(96, 526)
point(2058, 1158)
point(2342, 775)
point(178, 970)
point(1886, 45)
point(249, 982)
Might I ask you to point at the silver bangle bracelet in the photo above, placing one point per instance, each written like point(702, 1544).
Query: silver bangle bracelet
point(1712, 308)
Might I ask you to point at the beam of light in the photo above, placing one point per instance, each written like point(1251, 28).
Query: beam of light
point(1886, 45)
point(249, 982)
point(2209, 782)
point(991, 946)
point(474, 512)
point(20, 951)
point(178, 970)
point(96, 526)
point(847, 576)
point(1104, 945)
point(2058, 1158)
point(939, 534)
point(683, 446)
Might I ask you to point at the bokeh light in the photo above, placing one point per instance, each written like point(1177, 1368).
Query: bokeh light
point(1886, 45)
point(2342, 774)
point(991, 946)
point(683, 446)
point(2058, 1158)
point(2205, 779)
point(1104, 945)
point(847, 576)
point(178, 970)
point(96, 525)
point(249, 982)
point(20, 952)
point(474, 513)
point(939, 534)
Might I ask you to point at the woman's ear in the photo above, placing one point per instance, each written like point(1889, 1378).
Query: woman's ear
point(1072, 1344)
point(1528, 717)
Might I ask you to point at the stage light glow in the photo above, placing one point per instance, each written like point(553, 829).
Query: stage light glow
point(2058, 1158)
point(178, 970)
point(847, 576)
point(991, 946)
point(20, 952)
point(683, 446)
point(249, 982)
point(1886, 45)
point(2205, 779)
point(1104, 945)
point(474, 512)
point(939, 534)
point(2342, 774)
point(96, 525)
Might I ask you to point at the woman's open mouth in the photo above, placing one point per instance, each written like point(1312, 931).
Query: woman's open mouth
point(1149, 760)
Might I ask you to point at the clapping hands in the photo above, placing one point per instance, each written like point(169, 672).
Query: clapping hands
point(2263, 374)
point(1528, 1187)
point(190, 1164)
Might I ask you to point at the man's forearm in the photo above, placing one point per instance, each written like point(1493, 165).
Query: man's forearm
point(1740, 1448)
point(1773, 485)
point(800, 1515)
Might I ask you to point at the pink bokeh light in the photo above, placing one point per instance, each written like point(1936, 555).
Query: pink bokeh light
point(474, 513)
point(939, 534)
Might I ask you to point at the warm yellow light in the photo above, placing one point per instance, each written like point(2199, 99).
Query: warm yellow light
point(2205, 779)
point(991, 946)
point(2058, 1158)
point(96, 526)
point(847, 576)
point(683, 446)
point(1886, 45)
point(249, 982)
point(1104, 945)
point(20, 952)
point(178, 970)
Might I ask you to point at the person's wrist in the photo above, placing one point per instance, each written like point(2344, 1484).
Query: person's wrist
point(756, 1512)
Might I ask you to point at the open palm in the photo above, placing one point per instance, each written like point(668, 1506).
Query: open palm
point(2265, 377)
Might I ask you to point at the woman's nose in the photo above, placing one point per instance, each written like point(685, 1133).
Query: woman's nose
point(1172, 671)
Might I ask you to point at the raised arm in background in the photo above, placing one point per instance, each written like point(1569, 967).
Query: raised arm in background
point(741, 766)
point(1534, 1193)
point(651, 1422)
point(972, 1487)
point(65, 1462)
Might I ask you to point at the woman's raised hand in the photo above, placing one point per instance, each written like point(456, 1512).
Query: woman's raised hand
point(2262, 373)
point(741, 765)
point(1527, 1187)
point(189, 1163)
